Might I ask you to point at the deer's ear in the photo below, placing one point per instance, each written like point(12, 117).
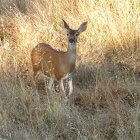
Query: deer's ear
point(83, 27)
point(66, 26)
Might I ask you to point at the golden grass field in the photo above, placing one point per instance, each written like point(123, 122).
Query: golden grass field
point(105, 104)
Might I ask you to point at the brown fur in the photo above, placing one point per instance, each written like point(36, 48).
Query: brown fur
point(45, 58)
point(57, 64)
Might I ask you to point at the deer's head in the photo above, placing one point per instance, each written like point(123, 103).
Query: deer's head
point(73, 34)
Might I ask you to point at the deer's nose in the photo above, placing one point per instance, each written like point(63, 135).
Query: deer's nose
point(71, 40)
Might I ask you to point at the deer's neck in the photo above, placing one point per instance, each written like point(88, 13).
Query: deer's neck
point(71, 53)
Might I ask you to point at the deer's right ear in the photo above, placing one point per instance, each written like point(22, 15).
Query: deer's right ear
point(83, 27)
point(66, 26)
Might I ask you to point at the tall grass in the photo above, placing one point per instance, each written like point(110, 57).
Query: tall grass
point(105, 101)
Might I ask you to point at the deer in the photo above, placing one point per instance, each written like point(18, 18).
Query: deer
point(55, 64)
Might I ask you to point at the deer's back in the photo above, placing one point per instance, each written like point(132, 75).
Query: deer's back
point(50, 61)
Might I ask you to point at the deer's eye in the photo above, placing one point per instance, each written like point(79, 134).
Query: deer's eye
point(67, 34)
point(76, 34)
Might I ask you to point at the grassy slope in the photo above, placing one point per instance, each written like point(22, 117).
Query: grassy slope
point(105, 103)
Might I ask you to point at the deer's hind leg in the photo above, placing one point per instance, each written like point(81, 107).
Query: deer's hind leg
point(61, 87)
point(35, 77)
point(50, 85)
point(70, 88)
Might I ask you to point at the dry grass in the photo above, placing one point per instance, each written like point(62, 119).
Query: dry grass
point(106, 99)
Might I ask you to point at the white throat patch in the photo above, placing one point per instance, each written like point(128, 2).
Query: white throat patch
point(72, 58)
point(72, 46)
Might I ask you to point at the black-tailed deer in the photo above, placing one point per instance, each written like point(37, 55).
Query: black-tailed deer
point(55, 64)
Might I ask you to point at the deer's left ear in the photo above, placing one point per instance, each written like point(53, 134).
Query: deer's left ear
point(83, 27)
point(65, 25)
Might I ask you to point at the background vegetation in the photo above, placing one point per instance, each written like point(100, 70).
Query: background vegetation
point(106, 100)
